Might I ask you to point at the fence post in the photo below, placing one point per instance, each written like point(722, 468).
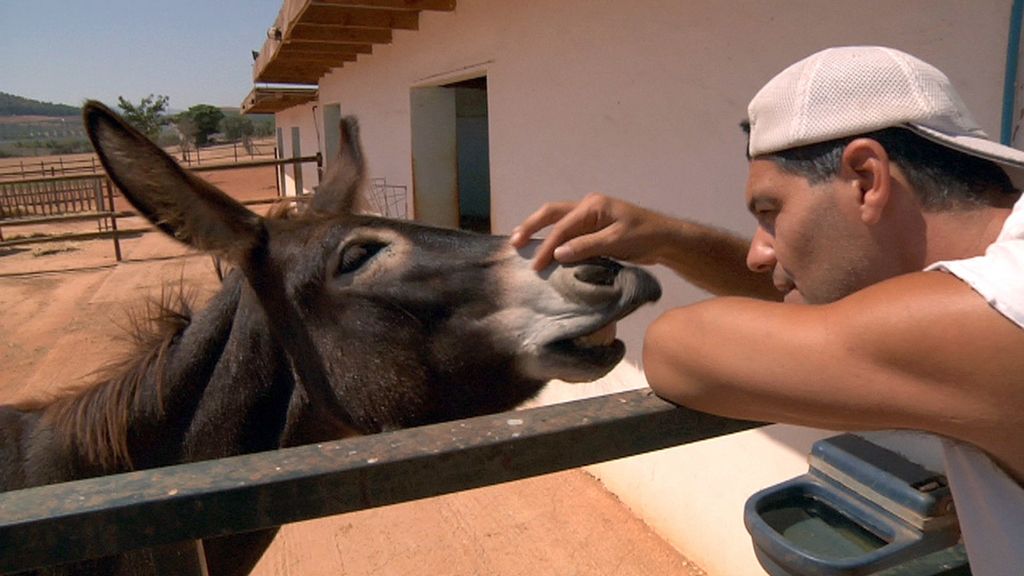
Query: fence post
point(97, 204)
point(279, 181)
point(113, 219)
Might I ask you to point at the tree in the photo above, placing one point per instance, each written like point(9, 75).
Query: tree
point(237, 127)
point(147, 116)
point(206, 119)
point(263, 124)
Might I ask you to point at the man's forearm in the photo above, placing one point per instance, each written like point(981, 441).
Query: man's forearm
point(714, 260)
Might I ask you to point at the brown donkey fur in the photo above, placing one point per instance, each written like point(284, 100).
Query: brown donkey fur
point(331, 324)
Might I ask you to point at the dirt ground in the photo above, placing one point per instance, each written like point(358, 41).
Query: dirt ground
point(65, 307)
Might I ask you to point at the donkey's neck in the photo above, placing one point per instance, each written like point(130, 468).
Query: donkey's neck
point(245, 402)
point(219, 387)
point(251, 401)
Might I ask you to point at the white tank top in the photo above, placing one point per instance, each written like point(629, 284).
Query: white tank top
point(990, 504)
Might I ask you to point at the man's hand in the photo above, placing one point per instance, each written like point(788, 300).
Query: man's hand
point(596, 226)
point(710, 258)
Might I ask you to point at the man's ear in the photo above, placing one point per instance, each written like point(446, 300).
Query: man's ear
point(865, 166)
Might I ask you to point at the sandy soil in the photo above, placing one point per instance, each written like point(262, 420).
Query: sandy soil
point(64, 312)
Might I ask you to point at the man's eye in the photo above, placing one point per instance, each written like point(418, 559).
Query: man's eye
point(766, 220)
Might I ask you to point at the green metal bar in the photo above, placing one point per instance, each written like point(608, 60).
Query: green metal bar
point(104, 516)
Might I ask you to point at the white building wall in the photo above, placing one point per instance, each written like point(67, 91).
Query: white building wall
point(642, 100)
point(301, 117)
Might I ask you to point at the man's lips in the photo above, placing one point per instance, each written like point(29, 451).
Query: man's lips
point(794, 297)
point(784, 284)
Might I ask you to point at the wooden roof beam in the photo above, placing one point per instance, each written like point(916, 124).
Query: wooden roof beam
point(306, 73)
point(438, 5)
point(303, 47)
point(339, 35)
point(289, 77)
point(267, 100)
point(337, 27)
point(330, 15)
point(299, 59)
point(318, 68)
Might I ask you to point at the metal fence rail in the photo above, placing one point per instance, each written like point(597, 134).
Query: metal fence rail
point(32, 168)
point(74, 198)
point(103, 516)
point(60, 166)
point(49, 196)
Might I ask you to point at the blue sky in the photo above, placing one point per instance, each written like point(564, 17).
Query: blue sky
point(193, 51)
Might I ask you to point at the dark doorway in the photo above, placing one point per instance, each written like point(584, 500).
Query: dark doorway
point(451, 155)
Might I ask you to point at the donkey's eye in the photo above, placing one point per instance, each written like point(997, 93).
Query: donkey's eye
point(356, 254)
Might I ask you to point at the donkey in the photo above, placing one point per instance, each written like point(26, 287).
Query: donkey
point(332, 324)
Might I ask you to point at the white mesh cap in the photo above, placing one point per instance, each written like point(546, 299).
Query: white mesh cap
point(851, 90)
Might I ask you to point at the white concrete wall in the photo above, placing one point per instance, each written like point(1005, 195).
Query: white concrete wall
point(642, 99)
point(309, 144)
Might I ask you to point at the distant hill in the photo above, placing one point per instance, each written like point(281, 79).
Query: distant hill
point(11, 105)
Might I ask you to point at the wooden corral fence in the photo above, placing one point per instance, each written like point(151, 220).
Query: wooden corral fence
point(65, 199)
point(52, 167)
point(233, 152)
point(51, 196)
point(171, 509)
point(163, 507)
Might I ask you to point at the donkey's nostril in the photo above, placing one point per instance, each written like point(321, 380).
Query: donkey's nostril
point(602, 274)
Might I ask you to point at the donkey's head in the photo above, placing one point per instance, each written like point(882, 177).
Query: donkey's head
point(387, 323)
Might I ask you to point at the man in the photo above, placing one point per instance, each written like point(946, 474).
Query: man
point(866, 168)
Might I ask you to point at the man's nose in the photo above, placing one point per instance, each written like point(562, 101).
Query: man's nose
point(761, 255)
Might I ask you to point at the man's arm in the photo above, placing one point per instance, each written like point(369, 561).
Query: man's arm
point(921, 351)
point(710, 258)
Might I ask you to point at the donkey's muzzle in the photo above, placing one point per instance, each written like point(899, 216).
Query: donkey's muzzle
point(604, 283)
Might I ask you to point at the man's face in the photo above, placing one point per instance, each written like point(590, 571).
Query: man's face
point(810, 237)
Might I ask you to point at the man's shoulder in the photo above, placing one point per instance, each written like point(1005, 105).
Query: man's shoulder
point(998, 274)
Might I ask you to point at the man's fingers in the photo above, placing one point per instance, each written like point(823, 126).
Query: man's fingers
point(584, 246)
point(547, 215)
point(564, 241)
point(578, 230)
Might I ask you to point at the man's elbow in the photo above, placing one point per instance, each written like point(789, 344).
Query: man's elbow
point(668, 343)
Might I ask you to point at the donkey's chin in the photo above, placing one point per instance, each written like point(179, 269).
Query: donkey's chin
point(578, 359)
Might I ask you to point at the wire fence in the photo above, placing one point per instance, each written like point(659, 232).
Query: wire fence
point(388, 200)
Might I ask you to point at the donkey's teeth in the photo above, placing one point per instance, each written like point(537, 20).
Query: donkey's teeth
point(602, 337)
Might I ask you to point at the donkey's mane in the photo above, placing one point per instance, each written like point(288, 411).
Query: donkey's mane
point(95, 419)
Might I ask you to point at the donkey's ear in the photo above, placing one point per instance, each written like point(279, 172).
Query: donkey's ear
point(180, 204)
point(339, 193)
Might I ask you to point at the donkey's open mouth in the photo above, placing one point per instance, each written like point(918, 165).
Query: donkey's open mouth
point(598, 348)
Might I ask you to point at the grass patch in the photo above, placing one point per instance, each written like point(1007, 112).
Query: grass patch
point(55, 248)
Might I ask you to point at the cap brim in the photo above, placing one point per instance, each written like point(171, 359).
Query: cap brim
point(1009, 159)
